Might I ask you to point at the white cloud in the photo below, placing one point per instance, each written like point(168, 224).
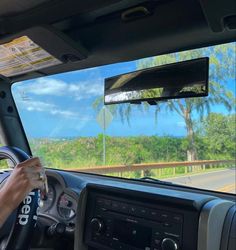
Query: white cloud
point(36, 106)
point(26, 95)
point(55, 87)
point(50, 108)
point(64, 113)
point(44, 86)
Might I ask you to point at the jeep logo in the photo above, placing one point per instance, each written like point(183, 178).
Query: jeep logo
point(25, 209)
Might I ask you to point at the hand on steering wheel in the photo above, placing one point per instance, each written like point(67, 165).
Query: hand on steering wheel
point(28, 175)
point(25, 177)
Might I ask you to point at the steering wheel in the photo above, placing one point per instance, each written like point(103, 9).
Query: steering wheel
point(26, 214)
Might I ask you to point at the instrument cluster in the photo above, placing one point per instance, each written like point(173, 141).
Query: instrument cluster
point(57, 202)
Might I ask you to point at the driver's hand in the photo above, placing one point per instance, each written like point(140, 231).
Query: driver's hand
point(25, 177)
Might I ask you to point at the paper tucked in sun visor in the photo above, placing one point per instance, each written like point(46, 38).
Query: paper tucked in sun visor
point(22, 55)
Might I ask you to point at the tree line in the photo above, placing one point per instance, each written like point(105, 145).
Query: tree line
point(215, 139)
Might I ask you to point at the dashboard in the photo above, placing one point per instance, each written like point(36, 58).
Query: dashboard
point(109, 213)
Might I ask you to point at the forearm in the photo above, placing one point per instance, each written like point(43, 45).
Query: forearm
point(5, 206)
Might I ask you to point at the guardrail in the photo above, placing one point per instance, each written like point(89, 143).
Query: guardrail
point(149, 166)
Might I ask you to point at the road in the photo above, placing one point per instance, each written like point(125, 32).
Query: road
point(223, 180)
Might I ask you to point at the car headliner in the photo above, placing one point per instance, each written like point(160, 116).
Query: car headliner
point(103, 33)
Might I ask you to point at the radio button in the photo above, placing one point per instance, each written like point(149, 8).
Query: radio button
point(164, 216)
point(141, 211)
point(173, 231)
point(124, 208)
point(166, 224)
point(153, 214)
point(108, 228)
point(103, 204)
point(157, 234)
point(108, 235)
point(132, 209)
point(177, 218)
point(115, 205)
point(101, 209)
point(172, 235)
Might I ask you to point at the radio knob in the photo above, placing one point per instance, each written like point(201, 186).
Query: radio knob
point(169, 244)
point(97, 225)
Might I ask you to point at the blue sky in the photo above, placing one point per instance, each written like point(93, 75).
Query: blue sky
point(61, 106)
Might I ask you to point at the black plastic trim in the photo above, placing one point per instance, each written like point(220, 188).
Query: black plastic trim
point(229, 225)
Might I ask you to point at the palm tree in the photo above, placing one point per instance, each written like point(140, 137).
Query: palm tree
point(222, 68)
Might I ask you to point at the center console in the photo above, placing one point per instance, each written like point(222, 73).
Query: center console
point(117, 220)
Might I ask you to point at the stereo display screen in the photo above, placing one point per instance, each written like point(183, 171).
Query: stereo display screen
point(132, 234)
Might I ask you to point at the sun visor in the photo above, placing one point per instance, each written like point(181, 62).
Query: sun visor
point(22, 55)
point(35, 49)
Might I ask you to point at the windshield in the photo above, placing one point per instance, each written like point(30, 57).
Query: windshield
point(187, 141)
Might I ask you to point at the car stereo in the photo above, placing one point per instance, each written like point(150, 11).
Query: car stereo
point(114, 223)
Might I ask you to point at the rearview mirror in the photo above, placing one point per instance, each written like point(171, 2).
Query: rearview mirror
point(177, 80)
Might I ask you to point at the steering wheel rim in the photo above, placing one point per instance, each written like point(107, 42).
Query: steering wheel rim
point(26, 215)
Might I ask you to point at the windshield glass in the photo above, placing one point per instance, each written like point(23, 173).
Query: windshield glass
point(185, 141)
